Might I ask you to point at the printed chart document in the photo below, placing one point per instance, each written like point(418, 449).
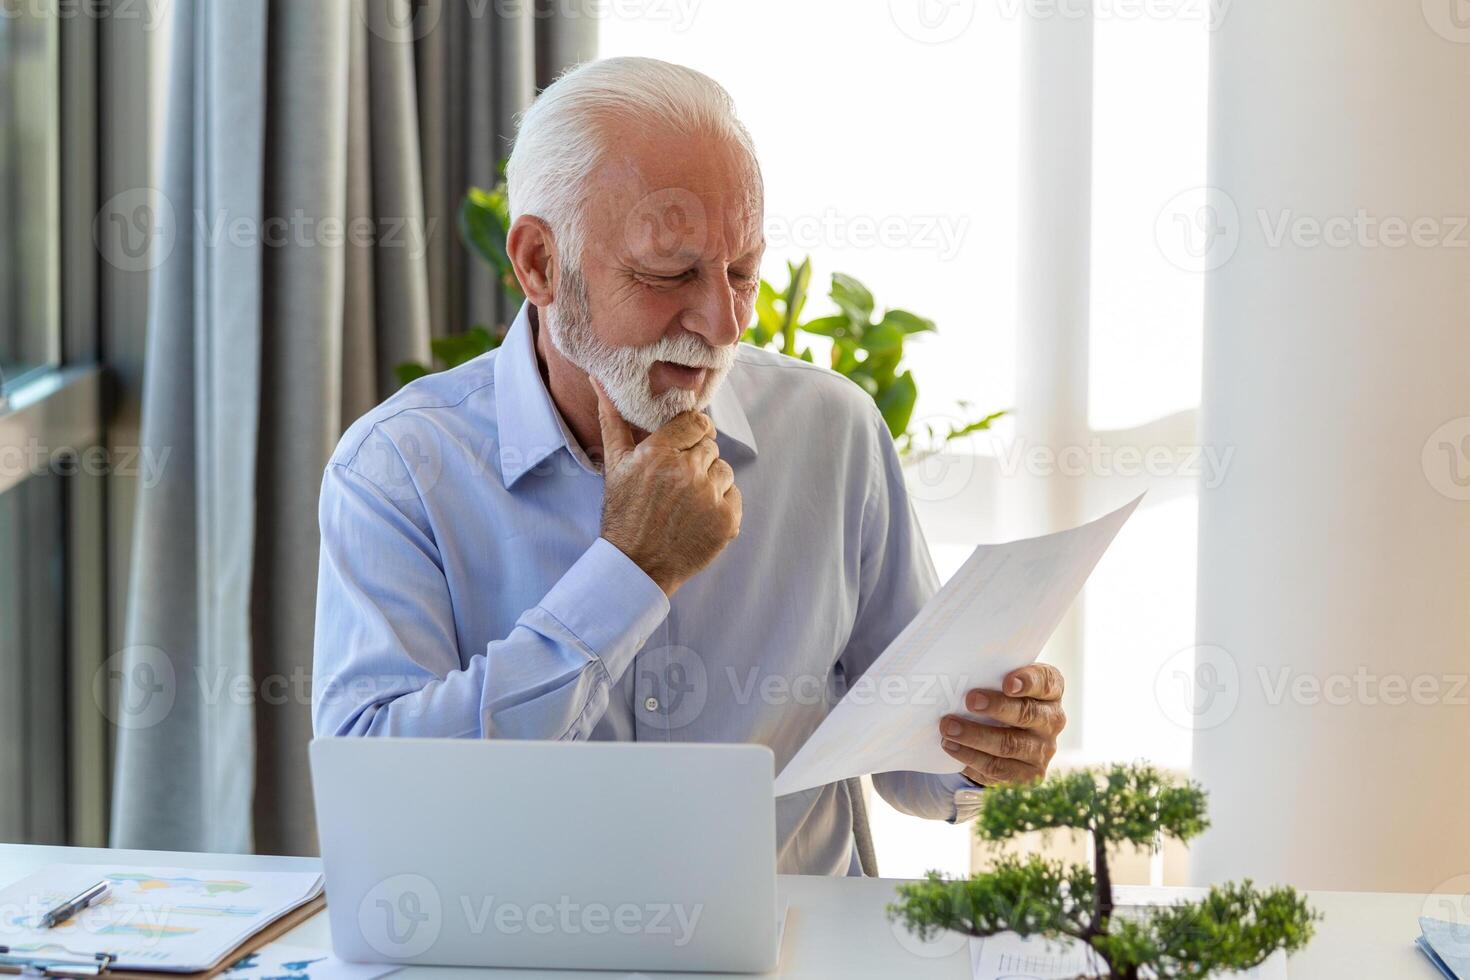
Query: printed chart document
point(154, 919)
point(279, 962)
point(993, 616)
point(1009, 957)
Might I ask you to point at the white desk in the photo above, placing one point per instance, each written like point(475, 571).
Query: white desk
point(837, 927)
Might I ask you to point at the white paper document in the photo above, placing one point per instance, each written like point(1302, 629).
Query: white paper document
point(278, 962)
point(1012, 957)
point(992, 617)
point(1009, 957)
point(168, 919)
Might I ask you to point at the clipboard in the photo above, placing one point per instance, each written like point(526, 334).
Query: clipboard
point(100, 966)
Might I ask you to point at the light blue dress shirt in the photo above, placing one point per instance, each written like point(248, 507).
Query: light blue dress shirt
point(464, 590)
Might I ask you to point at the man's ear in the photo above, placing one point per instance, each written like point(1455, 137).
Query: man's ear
point(532, 251)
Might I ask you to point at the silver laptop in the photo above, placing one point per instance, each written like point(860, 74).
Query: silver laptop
point(591, 855)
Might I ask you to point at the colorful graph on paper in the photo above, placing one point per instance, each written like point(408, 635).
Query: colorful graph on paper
point(152, 918)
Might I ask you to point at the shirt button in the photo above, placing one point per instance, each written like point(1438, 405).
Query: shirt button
point(651, 703)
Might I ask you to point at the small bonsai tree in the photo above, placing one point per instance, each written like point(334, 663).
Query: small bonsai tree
point(1233, 927)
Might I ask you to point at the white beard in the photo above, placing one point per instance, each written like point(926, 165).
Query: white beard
point(624, 371)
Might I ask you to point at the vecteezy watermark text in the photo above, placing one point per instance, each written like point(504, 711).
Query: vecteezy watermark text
point(569, 918)
point(152, 13)
point(1362, 229)
point(942, 234)
point(1362, 686)
point(34, 458)
point(404, 916)
point(1199, 688)
point(1096, 458)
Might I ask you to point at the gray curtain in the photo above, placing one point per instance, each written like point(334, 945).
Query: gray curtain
point(291, 127)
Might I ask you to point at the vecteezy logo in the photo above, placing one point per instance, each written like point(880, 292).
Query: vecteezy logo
point(401, 916)
point(936, 472)
point(1198, 229)
point(1450, 19)
point(135, 230)
point(668, 224)
point(932, 21)
point(943, 944)
point(135, 688)
point(1450, 902)
point(1446, 459)
point(407, 466)
point(401, 20)
point(1198, 687)
point(672, 687)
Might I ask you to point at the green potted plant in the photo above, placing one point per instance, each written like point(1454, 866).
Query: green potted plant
point(1233, 927)
point(867, 346)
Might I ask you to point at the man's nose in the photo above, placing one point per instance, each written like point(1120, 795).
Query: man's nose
point(715, 317)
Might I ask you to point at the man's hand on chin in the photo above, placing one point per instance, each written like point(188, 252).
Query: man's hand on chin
point(1020, 746)
point(670, 502)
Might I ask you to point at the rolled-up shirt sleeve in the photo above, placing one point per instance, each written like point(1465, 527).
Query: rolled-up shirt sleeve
point(897, 579)
point(387, 659)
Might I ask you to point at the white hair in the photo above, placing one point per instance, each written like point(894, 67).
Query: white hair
point(563, 135)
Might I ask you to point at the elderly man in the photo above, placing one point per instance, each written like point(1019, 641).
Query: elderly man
point(623, 524)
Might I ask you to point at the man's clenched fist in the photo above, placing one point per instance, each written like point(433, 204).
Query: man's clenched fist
point(670, 502)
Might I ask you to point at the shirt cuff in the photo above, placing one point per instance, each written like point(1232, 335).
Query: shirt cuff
point(608, 604)
point(968, 797)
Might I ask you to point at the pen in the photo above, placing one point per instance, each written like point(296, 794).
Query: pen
point(72, 906)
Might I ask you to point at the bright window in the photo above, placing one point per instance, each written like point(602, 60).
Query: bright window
point(884, 157)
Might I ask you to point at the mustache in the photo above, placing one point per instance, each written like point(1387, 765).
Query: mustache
point(688, 350)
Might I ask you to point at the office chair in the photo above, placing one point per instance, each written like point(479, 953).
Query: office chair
point(862, 834)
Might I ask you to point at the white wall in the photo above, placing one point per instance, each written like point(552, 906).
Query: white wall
point(1336, 555)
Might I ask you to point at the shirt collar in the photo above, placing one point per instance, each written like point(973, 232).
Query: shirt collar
point(531, 429)
point(732, 428)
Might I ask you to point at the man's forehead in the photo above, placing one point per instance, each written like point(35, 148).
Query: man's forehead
point(678, 220)
point(735, 190)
